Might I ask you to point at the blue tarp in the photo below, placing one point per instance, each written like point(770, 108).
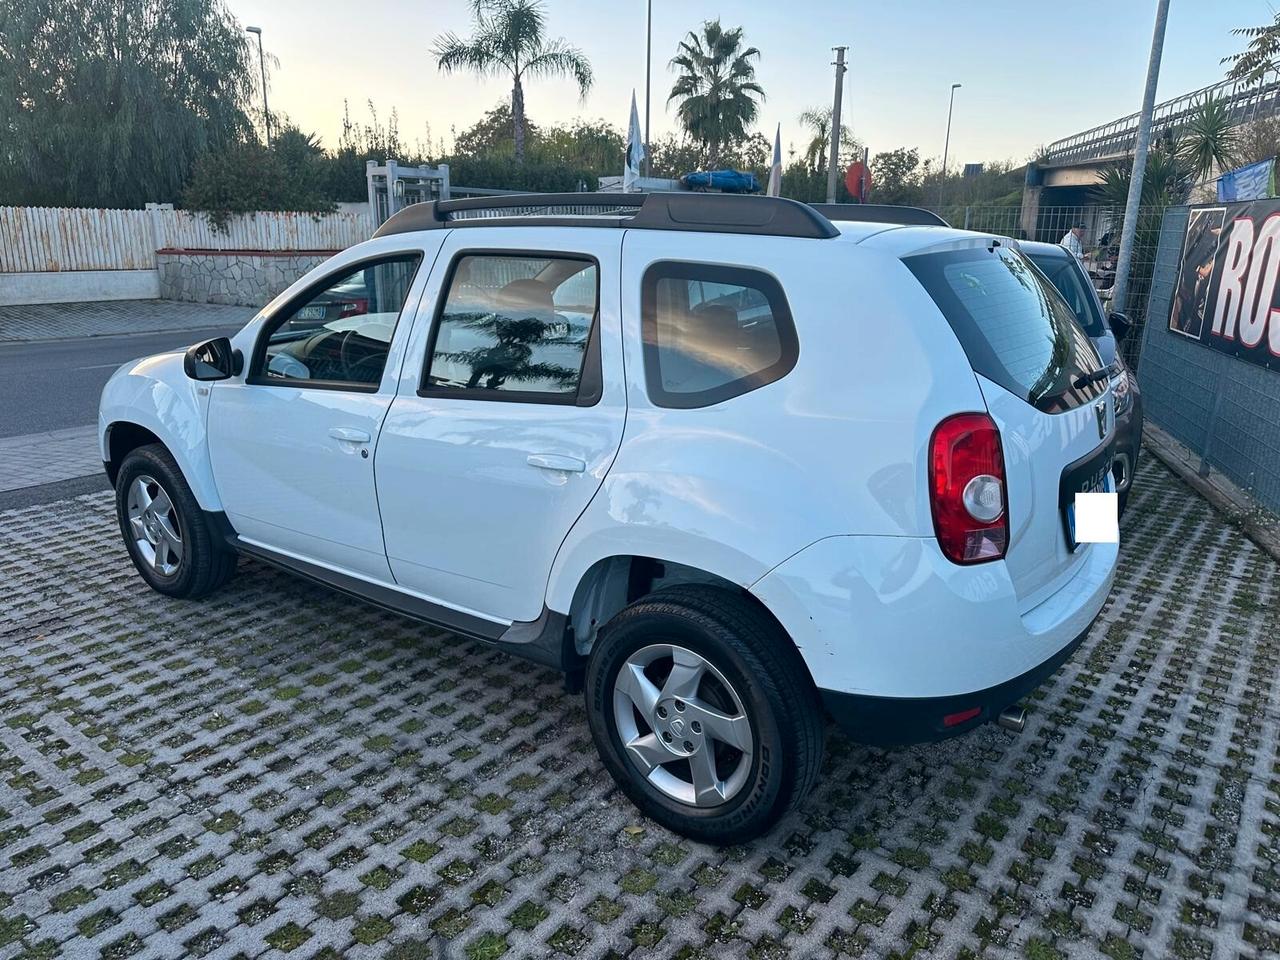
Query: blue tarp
point(730, 181)
point(1254, 182)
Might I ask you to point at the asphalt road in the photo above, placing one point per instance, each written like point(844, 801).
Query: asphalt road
point(54, 384)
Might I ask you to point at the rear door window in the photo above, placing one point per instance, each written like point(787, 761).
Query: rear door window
point(1070, 281)
point(712, 332)
point(1014, 326)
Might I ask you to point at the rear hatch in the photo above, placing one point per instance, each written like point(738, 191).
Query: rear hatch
point(1046, 389)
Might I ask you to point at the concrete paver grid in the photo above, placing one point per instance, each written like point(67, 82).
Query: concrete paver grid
point(283, 771)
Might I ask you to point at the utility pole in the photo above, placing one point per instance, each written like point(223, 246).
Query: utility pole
point(835, 125)
point(266, 111)
point(946, 146)
point(648, 69)
point(1121, 289)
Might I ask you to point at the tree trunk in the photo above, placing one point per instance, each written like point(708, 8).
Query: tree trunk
point(517, 119)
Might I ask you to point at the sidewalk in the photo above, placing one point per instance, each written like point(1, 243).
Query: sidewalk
point(57, 321)
point(37, 458)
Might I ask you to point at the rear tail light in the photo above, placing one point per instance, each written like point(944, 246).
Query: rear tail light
point(967, 489)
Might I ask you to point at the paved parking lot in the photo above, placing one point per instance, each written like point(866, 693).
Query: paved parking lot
point(281, 770)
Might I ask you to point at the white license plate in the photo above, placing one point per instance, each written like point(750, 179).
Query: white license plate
point(1102, 484)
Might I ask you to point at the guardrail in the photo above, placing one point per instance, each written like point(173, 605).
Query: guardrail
point(1244, 103)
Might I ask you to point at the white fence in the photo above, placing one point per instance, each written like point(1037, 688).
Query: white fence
point(49, 239)
point(55, 239)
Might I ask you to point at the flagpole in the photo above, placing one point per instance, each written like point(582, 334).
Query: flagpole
point(648, 68)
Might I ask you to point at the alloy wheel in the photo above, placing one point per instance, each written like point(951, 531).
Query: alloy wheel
point(682, 725)
point(153, 521)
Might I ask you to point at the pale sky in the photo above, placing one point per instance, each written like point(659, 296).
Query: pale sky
point(1032, 71)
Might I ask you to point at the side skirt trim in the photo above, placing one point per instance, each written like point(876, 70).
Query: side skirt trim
point(544, 640)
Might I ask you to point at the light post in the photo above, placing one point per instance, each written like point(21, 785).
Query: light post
point(266, 111)
point(946, 145)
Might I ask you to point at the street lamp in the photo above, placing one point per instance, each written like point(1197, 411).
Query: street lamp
point(266, 111)
point(648, 69)
point(946, 145)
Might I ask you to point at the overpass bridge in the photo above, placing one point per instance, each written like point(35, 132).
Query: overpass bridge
point(1061, 176)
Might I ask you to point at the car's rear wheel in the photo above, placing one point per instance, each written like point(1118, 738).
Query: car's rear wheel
point(704, 713)
point(168, 536)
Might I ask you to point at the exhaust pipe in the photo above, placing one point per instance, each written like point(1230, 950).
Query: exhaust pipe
point(1013, 719)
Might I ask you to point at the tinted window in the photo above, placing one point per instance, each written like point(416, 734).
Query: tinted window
point(1013, 325)
point(713, 332)
point(1070, 281)
point(340, 335)
point(513, 326)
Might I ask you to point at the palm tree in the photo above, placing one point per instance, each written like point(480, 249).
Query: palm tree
point(818, 119)
point(716, 87)
point(1167, 180)
point(1209, 138)
point(1260, 57)
point(510, 39)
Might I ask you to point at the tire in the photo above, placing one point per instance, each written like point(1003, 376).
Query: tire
point(748, 662)
point(177, 550)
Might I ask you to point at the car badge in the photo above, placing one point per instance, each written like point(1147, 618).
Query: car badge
point(1100, 408)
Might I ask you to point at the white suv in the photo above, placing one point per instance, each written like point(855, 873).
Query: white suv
point(725, 463)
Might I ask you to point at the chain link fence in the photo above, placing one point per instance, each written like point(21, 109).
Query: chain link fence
point(1102, 225)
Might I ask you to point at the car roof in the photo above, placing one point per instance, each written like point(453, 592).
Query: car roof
point(901, 241)
point(1034, 248)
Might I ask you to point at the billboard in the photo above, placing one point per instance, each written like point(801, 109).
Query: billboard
point(1226, 296)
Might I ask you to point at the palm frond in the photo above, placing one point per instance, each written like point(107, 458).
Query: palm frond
point(558, 59)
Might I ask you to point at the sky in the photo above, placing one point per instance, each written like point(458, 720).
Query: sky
point(1032, 71)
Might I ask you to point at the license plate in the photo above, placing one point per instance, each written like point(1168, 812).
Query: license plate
point(311, 313)
point(1089, 474)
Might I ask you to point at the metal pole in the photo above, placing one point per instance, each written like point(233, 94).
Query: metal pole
point(648, 70)
point(835, 125)
point(946, 145)
point(1120, 291)
point(262, 62)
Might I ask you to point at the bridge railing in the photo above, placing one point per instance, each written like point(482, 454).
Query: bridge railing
point(1244, 102)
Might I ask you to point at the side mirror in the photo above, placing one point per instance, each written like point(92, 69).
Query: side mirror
point(1120, 325)
point(212, 360)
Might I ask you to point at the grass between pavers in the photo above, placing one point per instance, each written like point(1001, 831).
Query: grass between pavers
point(332, 778)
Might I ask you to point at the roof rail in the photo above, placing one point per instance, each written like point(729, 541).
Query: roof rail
point(880, 213)
point(704, 212)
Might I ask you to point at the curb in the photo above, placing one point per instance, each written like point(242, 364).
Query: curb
point(1237, 507)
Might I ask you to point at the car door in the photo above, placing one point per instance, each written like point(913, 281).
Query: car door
point(509, 413)
point(292, 442)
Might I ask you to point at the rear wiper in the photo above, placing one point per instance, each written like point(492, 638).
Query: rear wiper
point(1087, 378)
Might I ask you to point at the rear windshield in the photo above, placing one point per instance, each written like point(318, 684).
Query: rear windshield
point(1014, 326)
point(1070, 281)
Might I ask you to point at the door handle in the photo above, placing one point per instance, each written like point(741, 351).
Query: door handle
point(348, 435)
point(552, 461)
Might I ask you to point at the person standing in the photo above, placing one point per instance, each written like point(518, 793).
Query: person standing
point(1073, 240)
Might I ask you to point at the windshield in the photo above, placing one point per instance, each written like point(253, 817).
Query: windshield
point(1070, 281)
point(1014, 326)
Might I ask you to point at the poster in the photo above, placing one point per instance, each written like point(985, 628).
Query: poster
point(1226, 296)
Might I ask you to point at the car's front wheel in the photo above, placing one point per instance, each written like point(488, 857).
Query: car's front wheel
point(704, 713)
point(168, 536)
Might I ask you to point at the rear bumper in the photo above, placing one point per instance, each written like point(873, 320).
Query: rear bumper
point(890, 619)
point(897, 721)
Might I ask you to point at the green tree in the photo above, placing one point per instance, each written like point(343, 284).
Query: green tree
point(716, 88)
point(1260, 57)
point(292, 174)
point(1167, 180)
point(817, 121)
point(108, 103)
point(896, 177)
point(510, 40)
point(1209, 138)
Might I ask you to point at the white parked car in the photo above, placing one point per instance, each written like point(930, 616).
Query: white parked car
point(726, 464)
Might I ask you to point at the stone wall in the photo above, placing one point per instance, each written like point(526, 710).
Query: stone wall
point(249, 278)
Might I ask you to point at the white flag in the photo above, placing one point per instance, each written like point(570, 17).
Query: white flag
point(635, 149)
point(774, 189)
